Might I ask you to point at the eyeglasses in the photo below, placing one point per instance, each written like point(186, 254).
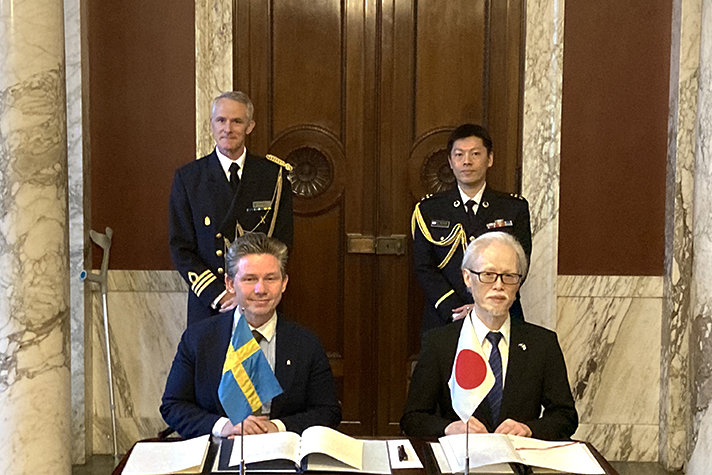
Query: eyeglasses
point(491, 277)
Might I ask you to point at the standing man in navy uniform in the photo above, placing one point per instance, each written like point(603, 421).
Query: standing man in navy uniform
point(443, 224)
point(222, 196)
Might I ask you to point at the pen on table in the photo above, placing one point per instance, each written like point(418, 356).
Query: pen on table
point(401, 453)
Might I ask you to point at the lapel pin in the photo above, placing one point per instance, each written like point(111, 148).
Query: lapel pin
point(289, 362)
point(456, 203)
point(522, 346)
point(485, 204)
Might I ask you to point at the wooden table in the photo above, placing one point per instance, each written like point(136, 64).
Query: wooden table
point(421, 446)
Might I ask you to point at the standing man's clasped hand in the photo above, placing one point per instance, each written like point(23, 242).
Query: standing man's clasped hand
point(228, 302)
point(460, 312)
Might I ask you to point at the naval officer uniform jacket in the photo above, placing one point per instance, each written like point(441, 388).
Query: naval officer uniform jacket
point(441, 231)
point(205, 216)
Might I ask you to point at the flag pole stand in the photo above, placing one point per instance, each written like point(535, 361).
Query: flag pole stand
point(467, 447)
point(242, 448)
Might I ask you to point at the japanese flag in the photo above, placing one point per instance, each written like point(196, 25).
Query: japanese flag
point(472, 377)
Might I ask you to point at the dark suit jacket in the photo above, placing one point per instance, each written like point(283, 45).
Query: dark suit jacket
point(204, 211)
point(441, 213)
point(536, 377)
point(190, 403)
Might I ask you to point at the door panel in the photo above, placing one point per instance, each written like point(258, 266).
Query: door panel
point(360, 96)
point(449, 38)
point(307, 59)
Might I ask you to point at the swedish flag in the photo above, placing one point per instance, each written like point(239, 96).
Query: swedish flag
point(247, 379)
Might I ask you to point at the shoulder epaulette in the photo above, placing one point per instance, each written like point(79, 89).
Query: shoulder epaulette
point(426, 197)
point(517, 196)
point(279, 162)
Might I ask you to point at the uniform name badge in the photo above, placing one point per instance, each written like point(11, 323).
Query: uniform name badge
point(261, 206)
point(438, 223)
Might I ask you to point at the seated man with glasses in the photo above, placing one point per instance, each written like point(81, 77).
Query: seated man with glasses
point(531, 396)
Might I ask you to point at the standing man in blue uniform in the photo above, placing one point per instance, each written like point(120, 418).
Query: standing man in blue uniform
point(444, 223)
point(220, 197)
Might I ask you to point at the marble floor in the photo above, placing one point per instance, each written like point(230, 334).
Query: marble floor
point(641, 468)
point(96, 465)
point(104, 464)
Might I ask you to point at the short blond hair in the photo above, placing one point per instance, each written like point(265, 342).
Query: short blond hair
point(255, 243)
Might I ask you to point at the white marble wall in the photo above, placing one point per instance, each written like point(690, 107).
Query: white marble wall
point(541, 152)
point(146, 319)
point(701, 293)
point(34, 292)
point(609, 330)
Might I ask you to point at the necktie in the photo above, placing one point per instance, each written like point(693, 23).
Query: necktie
point(470, 208)
point(258, 338)
point(234, 178)
point(494, 397)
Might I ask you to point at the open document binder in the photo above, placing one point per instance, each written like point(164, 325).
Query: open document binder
point(158, 458)
point(493, 452)
point(318, 449)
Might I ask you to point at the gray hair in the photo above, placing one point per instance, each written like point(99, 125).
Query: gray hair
point(237, 96)
point(477, 247)
point(255, 243)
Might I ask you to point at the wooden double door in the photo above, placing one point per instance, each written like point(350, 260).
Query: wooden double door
point(360, 96)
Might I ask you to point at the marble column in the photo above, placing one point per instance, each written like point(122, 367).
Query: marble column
point(541, 131)
point(213, 64)
point(34, 325)
point(701, 292)
point(675, 322)
point(75, 38)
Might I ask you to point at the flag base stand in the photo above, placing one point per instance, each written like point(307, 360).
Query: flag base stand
point(242, 448)
point(467, 447)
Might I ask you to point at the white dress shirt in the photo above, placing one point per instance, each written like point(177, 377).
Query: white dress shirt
point(481, 331)
point(477, 198)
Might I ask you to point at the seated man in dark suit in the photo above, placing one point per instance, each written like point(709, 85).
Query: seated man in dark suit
point(526, 359)
point(256, 274)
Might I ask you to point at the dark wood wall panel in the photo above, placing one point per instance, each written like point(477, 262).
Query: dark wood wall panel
point(505, 91)
point(142, 122)
point(307, 64)
point(450, 45)
point(316, 300)
point(614, 137)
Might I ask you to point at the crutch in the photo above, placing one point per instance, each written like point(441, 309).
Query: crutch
point(104, 242)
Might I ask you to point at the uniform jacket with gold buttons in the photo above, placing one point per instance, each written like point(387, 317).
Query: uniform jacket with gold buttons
point(204, 212)
point(441, 231)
